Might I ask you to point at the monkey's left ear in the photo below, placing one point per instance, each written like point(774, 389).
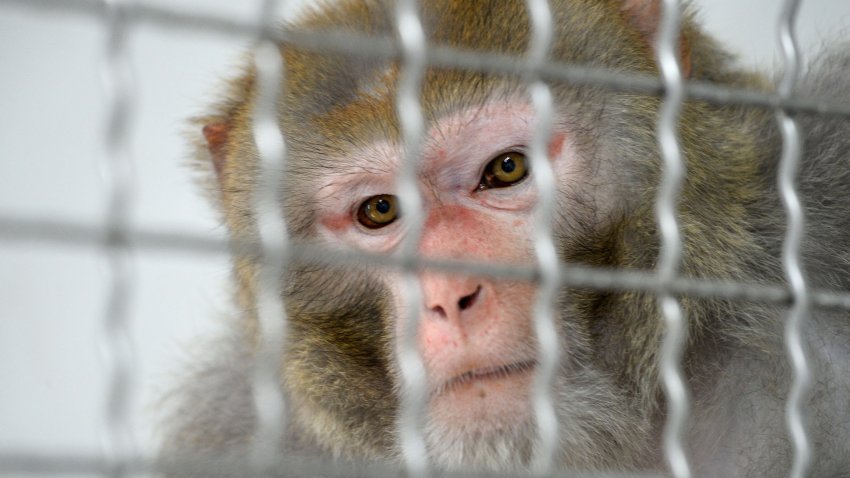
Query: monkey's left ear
point(645, 17)
point(216, 134)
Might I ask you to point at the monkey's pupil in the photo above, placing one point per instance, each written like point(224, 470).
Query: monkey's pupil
point(508, 165)
point(382, 206)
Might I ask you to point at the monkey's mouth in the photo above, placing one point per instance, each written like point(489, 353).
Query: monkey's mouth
point(487, 373)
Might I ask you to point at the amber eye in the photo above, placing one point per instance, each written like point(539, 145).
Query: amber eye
point(504, 170)
point(378, 211)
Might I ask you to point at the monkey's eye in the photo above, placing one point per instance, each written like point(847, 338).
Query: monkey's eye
point(504, 170)
point(378, 211)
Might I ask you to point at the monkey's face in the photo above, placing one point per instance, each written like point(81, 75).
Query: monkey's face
point(476, 334)
point(479, 193)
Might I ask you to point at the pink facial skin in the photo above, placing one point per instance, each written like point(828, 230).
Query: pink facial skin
point(475, 335)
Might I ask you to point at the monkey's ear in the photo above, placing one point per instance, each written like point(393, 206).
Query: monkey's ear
point(216, 134)
point(645, 17)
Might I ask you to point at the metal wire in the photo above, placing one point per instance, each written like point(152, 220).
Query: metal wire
point(414, 393)
point(273, 237)
point(118, 443)
point(670, 256)
point(388, 48)
point(218, 466)
point(546, 333)
point(63, 232)
point(792, 151)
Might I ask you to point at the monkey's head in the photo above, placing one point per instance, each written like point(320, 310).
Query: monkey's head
point(476, 335)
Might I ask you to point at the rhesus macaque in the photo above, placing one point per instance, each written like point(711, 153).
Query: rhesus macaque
point(340, 372)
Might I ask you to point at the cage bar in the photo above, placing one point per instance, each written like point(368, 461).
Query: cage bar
point(387, 48)
point(792, 151)
point(670, 255)
point(411, 419)
point(117, 342)
point(273, 238)
point(74, 234)
point(546, 334)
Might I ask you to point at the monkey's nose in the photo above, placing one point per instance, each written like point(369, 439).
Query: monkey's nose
point(447, 298)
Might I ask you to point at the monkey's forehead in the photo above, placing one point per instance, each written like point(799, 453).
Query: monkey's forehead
point(447, 141)
point(373, 111)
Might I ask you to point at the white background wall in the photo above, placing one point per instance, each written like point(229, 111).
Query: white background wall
point(51, 126)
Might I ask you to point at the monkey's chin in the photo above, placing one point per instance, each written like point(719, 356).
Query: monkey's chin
point(482, 420)
point(485, 401)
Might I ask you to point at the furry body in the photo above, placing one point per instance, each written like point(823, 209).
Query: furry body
point(339, 371)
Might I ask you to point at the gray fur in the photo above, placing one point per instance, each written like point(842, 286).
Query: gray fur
point(738, 426)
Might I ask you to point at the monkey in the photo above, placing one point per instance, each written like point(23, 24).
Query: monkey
point(339, 371)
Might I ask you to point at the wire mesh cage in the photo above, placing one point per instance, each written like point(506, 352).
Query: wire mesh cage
point(112, 237)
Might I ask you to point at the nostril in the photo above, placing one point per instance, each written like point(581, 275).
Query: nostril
point(468, 301)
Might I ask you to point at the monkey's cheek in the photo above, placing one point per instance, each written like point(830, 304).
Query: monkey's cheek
point(484, 406)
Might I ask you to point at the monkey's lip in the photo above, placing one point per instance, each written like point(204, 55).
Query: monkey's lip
point(485, 373)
